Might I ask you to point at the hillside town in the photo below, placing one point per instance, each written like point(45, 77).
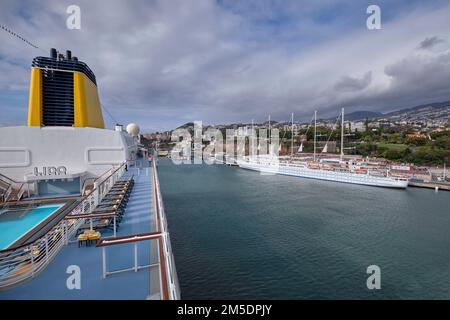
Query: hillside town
point(414, 142)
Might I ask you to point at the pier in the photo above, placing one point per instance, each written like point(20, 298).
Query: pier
point(430, 185)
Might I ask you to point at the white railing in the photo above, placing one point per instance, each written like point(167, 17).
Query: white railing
point(8, 193)
point(24, 262)
point(169, 287)
point(169, 261)
point(11, 183)
point(21, 191)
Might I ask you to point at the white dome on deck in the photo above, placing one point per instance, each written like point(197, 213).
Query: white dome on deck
point(133, 129)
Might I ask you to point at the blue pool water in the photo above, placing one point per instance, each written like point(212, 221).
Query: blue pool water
point(15, 224)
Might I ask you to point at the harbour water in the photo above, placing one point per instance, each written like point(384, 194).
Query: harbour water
point(237, 234)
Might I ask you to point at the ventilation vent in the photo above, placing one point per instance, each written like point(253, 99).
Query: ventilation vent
point(58, 102)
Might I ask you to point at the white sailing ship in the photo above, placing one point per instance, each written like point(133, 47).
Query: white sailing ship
point(324, 168)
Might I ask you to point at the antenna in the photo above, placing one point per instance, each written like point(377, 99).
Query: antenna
point(292, 135)
point(315, 130)
point(342, 134)
point(254, 137)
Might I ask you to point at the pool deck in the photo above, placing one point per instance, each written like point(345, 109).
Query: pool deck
point(138, 218)
point(46, 224)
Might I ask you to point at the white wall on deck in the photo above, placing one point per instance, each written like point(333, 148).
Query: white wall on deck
point(78, 149)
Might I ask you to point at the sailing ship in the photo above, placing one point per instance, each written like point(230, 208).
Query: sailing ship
point(341, 169)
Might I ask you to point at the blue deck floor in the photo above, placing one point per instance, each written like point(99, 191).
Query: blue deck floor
point(138, 218)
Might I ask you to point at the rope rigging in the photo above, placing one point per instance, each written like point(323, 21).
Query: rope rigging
point(109, 114)
point(333, 129)
point(18, 36)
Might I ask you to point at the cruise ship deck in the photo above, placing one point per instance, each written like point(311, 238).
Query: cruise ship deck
point(139, 218)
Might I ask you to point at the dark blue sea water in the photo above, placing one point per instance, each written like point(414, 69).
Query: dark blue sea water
point(237, 234)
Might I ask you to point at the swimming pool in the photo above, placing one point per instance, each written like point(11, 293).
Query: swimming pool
point(14, 224)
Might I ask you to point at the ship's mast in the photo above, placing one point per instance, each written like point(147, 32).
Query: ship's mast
point(342, 134)
point(315, 128)
point(254, 138)
point(292, 135)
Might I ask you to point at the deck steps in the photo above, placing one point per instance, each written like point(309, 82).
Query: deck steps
point(14, 195)
point(4, 185)
point(8, 192)
point(88, 189)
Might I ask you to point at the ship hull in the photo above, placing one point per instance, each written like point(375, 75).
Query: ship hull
point(343, 177)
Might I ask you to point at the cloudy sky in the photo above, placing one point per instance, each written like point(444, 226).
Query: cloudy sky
point(163, 63)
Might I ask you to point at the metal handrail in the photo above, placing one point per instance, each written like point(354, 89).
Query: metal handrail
point(7, 193)
point(168, 276)
point(7, 178)
point(95, 179)
point(24, 262)
point(169, 262)
point(21, 191)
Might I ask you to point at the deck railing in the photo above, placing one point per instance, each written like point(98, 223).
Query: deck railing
point(171, 288)
point(24, 262)
point(11, 183)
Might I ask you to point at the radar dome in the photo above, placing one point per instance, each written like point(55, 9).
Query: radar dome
point(133, 129)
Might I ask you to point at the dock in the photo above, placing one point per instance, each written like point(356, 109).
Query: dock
point(430, 185)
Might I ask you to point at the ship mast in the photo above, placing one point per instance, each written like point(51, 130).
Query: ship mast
point(292, 135)
point(254, 138)
point(315, 128)
point(342, 134)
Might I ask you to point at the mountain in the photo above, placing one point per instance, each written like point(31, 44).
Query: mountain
point(424, 109)
point(436, 112)
point(429, 106)
point(362, 115)
point(187, 125)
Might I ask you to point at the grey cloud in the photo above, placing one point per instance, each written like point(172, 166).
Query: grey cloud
point(430, 42)
point(347, 83)
point(421, 76)
point(414, 80)
point(162, 63)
